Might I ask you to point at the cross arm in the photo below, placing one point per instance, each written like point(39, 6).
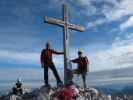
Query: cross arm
point(54, 21)
point(76, 27)
point(62, 23)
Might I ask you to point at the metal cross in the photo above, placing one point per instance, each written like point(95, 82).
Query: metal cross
point(66, 25)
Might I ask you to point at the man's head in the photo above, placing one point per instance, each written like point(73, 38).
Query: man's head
point(48, 45)
point(18, 80)
point(80, 53)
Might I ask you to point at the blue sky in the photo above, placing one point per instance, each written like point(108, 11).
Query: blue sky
point(107, 41)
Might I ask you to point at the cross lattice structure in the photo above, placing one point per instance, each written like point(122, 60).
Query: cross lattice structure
point(66, 26)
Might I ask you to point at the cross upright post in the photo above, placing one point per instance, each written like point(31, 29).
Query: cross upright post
point(66, 25)
point(65, 41)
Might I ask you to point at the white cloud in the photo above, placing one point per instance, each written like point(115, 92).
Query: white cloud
point(19, 57)
point(127, 24)
point(111, 10)
point(86, 6)
point(120, 9)
point(95, 23)
point(83, 2)
point(24, 73)
point(119, 55)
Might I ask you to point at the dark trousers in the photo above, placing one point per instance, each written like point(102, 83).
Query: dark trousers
point(83, 74)
point(52, 67)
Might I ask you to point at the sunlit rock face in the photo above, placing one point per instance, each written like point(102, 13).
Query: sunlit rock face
point(44, 93)
point(38, 94)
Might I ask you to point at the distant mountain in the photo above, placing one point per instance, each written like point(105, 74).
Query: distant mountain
point(128, 90)
point(115, 76)
point(116, 89)
point(121, 72)
point(115, 82)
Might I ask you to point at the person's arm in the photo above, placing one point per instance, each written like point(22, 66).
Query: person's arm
point(74, 60)
point(56, 52)
point(42, 58)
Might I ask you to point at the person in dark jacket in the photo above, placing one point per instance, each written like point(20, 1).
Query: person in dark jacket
point(82, 68)
point(47, 62)
point(18, 90)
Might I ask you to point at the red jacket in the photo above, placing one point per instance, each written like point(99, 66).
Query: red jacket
point(46, 56)
point(82, 63)
point(67, 93)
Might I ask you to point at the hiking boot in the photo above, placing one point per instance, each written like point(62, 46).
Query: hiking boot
point(47, 85)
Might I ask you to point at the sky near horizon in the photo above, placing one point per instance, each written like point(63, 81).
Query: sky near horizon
point(107, 41)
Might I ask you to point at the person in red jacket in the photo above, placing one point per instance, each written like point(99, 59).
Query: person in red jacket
point(47, 62)
point(69, 92)
point(82, 69)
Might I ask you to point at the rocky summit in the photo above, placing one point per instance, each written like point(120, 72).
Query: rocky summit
point(48, 93)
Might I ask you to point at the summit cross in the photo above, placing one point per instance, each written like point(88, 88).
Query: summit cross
point(66, 26)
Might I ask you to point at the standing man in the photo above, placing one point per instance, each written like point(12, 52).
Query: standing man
point(47, 62)
point(82, 63)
